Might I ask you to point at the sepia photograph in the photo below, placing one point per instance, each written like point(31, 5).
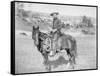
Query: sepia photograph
point(54, 37)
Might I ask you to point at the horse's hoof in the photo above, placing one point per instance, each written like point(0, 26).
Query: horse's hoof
point(48, 69)
point(73, 67)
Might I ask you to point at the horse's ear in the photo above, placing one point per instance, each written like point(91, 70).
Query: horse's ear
point(33, 27)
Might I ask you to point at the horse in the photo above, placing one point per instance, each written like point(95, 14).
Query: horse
point(41, 40)
point(61, 41)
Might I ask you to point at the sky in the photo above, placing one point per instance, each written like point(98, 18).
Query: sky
point(62, 9)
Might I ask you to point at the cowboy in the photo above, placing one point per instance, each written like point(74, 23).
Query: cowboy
point(57, 25)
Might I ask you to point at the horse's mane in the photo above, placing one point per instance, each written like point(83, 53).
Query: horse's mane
point(42, 35)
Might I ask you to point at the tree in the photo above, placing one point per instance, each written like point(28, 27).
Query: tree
point(86, 22)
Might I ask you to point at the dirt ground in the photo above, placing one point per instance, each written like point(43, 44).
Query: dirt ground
point(29, 60)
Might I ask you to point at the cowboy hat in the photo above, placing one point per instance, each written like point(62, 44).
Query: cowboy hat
point(54, 13)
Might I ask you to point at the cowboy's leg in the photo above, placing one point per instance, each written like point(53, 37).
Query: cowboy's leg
point(58, 45)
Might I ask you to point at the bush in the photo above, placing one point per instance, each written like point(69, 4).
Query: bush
point(86, 22)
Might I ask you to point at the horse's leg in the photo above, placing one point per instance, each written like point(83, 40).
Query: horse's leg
point(72, 61)
point(71, 58)
point(73, 52)
point(48, 67)
point(68, 53)
point(45, 58)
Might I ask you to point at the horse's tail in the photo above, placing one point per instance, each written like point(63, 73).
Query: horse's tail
point(73, 48)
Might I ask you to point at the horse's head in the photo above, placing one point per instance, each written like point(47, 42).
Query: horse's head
point(35, 33)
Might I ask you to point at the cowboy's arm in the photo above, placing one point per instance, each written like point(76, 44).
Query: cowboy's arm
point(60, 24)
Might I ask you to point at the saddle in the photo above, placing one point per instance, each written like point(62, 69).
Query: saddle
point(54, 37)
